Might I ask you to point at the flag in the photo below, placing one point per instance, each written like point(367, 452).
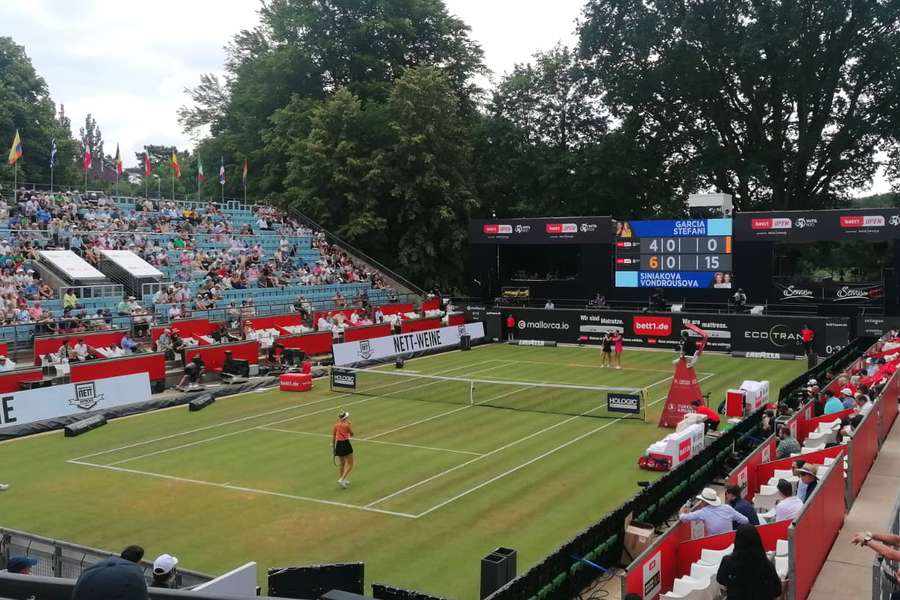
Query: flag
point(244, 174)
point(86, 160)
point(175, 166)
point(118, 161)
point(148, 168)
point(52, 153)
point(15, 153)
point(221, 171)
point(199, 170)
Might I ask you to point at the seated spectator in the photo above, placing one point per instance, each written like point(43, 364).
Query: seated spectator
point(847, 399)
point(863, 404)
point(80, 350)
point(113, 578)
point(323, 324)
point(123, 308)
point(70, 300)
point(339, 300)
point(174, 312)
point(6, 364)
point(128, 344)
point(133, 554)
point(717, 517)
point(164, 572)
point(790, 506)
point(810, 479)
point(747, 573)
point(832, 403)
point(20, 565)
point(737, 502)
point(45, 292)
point(178, 344)
point(787, 445)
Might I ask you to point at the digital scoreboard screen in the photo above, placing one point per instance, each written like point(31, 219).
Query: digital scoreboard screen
point(687, 253)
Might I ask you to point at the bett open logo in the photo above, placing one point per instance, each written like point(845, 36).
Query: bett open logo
point(494, 229)
point(557, 228)
point(851, 222)
point(772, 223)
point(656, 326)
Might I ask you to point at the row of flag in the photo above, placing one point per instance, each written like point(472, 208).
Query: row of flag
point(15, 153)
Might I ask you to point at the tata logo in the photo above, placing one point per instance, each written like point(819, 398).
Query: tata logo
point(778, 336)
point(655, 326)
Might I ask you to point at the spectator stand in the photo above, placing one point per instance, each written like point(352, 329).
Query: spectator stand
point(194, 332)
point(213, 357)
point(97, 340)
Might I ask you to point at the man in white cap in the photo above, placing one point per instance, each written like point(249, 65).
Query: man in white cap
point(847, 398)
point(164, 571)
point(6, 364)
point(716, 516)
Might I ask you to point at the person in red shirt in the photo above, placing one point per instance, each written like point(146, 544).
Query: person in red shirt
point(712, 417)
point(807, 335)
point(340, 442)
point(510, 327)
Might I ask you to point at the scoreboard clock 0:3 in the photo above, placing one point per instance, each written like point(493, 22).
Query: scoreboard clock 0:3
point(685, 253)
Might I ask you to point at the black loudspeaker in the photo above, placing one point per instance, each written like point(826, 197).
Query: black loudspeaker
point(315, 581)
point(497, 569)
point(85, 425)
point(465, 342)
point(200, 402)
point(387, 592)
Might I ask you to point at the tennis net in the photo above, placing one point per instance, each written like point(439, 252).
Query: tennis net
point(554, 398)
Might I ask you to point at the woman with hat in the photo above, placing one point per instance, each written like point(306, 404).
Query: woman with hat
point(340, 443)
point(810, 479)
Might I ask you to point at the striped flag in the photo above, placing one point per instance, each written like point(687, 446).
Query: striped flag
point(244, 174)
point(52, 153)
point(221, 171)
point(86, 161)
point(15, 153)
point(175, 166)
point(199, 170)
point(118, 161)
point(148, 168)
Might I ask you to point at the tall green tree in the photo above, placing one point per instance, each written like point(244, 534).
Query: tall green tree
point(25, 104)
point(781, 103)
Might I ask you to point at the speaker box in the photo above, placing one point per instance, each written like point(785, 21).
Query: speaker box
point(200, 402)
point(313, 582)
point(85, 425)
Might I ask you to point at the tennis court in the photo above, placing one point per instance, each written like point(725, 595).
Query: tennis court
point(473, 465)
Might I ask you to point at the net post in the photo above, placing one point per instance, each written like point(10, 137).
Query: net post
point(471, 393)
point(644, 395)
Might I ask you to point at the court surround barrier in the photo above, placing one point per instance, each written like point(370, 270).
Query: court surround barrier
point(884, 578)
point(561, 575)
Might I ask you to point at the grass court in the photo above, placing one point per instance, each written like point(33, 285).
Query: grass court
point(437, 484)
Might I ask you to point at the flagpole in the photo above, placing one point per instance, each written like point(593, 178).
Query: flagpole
point(16, 181)
point(85, 181)
point(117, 180)
point(51, 176)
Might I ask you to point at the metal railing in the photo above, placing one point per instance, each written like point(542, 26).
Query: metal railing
point(56, 558)
point(884, 572)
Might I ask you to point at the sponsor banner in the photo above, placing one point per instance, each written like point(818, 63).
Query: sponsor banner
point(876, 224)
point(651, 576)
point(561, 230)
point(406, 343)
point(837, 293)
point(876, 326)
point(41, 404)
point(623, 403)
point(343, 379)
point(766, 336)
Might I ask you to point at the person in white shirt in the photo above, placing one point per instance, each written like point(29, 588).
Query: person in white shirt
point(80, 350)
point(863, 404)
point(174, 312)
point(549, 305)
point(6, 364)
point(323, 324)
point(790, 506)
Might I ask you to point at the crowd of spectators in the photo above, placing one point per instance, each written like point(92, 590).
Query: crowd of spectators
point(210, 254)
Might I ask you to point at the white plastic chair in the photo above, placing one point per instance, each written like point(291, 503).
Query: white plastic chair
point(694, 589)
point(700, 571)
point(782, 474)
point(781, 548)
point(781, 566)
point(813, 448)
point(714, 557)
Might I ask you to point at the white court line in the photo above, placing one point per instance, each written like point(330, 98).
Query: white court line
point(304, 415)
point(372, 441)
point(514, 469)
point(239, 488)
point(443, 414)
point(238, 420)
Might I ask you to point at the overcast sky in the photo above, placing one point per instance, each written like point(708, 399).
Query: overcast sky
point(128, 62)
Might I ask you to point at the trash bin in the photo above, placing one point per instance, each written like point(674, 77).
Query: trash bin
point(497, 569)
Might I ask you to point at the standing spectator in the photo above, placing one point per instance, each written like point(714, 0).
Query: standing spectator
point(733, 498)
point(164, 571)
point(510, 328)
point(807, 335)
point(113, 578)
point(790, 506)
point(716, 517)
point(20, 564)
point(549, 305)
point(747, 573)
point(70, 300)
point(883, 544)
point(787, 445)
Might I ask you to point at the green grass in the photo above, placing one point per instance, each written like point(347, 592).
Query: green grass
point(436, 485)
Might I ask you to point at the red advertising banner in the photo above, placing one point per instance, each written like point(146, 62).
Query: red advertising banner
point(744, 475)
point(684, 389)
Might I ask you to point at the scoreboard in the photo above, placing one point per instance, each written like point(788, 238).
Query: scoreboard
point(687, 253)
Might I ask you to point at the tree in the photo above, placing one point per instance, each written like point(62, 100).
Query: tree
point(782, 104)
point(25, 104)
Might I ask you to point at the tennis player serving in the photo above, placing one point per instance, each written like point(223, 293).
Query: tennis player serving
point(340, 443)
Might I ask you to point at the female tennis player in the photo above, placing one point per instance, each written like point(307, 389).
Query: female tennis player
point(606, 350)
point(340, 443)
point(617, 349)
